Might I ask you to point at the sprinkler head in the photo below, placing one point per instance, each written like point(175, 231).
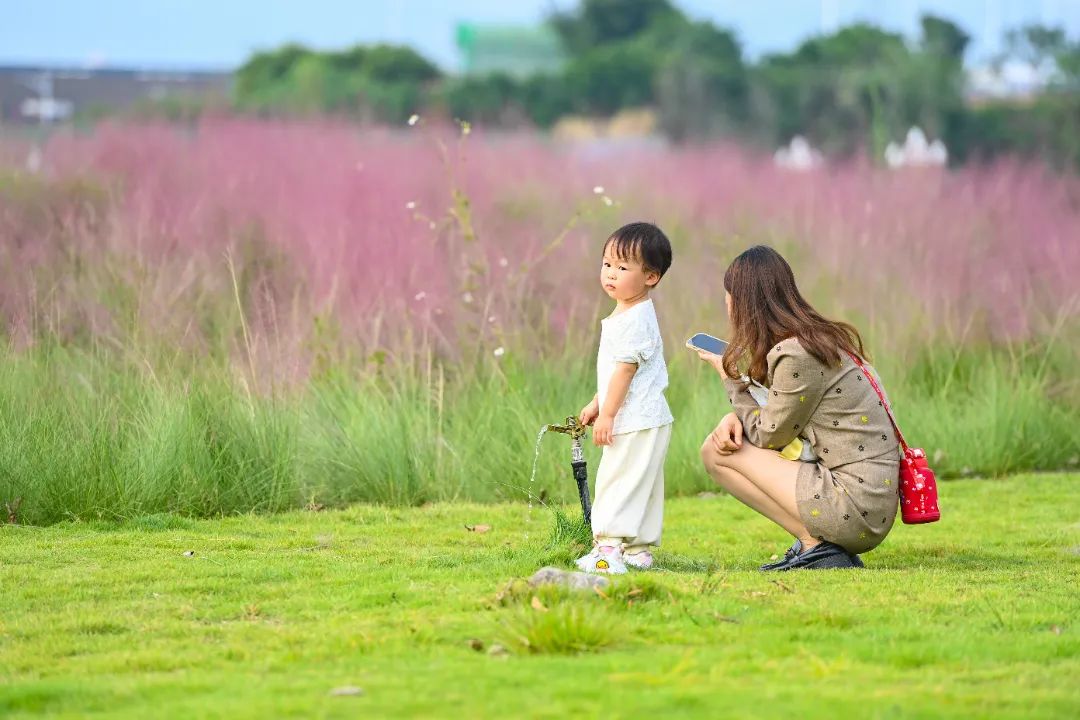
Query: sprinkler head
point(572, 427)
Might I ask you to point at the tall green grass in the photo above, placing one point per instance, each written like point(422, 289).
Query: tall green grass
point(92, 434)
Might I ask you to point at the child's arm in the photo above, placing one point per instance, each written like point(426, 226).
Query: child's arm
point(590, 412)
point(616, 393)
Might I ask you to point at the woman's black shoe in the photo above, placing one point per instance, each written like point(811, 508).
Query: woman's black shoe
point(823, 556)
point(791, 552)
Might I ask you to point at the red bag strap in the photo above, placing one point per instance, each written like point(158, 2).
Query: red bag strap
point(884, 402)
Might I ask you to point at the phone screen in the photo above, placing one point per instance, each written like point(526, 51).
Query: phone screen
point(708, 343)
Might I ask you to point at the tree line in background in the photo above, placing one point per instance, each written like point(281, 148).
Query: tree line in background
point(848, 92)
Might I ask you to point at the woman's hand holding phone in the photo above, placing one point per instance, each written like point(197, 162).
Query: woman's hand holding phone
point(710, 349)
point(717, 361)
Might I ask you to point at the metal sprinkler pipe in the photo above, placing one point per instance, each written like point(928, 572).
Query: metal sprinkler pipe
point(576, 431)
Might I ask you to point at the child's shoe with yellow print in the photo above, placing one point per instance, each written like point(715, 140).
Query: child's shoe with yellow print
point(604, 559)
point(638, 559)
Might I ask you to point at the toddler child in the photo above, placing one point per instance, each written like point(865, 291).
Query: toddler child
point(629, 413)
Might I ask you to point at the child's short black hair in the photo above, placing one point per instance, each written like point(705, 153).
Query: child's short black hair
point(644, 242)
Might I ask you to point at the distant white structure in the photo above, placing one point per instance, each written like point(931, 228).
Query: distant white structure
point(46, 109)
point(1009, 80)
point(916, 152)
point(798, 155)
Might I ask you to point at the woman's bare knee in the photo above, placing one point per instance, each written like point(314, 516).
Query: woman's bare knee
point(710, 455)
point(726, 478)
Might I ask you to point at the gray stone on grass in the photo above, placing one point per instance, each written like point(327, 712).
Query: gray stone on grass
point(347, 691)
point(568, 579)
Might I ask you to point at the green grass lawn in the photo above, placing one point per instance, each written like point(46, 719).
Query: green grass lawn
point(974, 616)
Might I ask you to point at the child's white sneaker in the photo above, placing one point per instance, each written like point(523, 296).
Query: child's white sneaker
point(642, 560)
point(604, 559)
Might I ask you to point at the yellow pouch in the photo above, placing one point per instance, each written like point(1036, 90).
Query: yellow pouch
point(793, 450)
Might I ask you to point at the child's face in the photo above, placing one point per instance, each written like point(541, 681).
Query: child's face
point(625, 279)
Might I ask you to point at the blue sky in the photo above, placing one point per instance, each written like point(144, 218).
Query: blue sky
point(219, 34)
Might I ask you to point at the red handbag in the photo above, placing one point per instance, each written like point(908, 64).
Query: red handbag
point(918, 487)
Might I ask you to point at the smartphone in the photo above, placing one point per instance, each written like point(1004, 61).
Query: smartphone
point(708, 343)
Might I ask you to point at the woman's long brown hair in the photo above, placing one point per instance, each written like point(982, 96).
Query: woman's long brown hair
point(766, 307)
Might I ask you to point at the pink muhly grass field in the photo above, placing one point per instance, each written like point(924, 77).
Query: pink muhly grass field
point(486, 241)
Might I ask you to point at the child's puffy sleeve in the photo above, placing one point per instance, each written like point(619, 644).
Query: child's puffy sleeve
point(797, 382)
point(635, 343)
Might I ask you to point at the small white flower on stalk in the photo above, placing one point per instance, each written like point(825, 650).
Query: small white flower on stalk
point(431, 224)
point(410, 205)
point(608, 201)
point(413, 119)
point(503, 262)
point(491, 319)
point(598, 190)
point(467, 297)
point(420, 296)
point(499, 352)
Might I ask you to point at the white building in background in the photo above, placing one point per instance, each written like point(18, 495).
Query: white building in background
point(916, 151)
point(798, 155)
point(1009, 80)
point(45, 95)
point(46, 110)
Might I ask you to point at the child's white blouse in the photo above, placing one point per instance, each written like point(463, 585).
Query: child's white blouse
point(633, 336)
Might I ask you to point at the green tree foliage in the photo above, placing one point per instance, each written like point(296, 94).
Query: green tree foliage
point(702, 84)
point(618, 51)
point(1035, 44)
point(389, 64)
point(849, 92)
point(611, 77)
point(944, 38)
point(546, 98)
point(487, 99)
point(500, 99)
point(1047, 127)
point(382, 82)
point(632, 53)
point(855, 89)
point(931, 85)
point(605, 22)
